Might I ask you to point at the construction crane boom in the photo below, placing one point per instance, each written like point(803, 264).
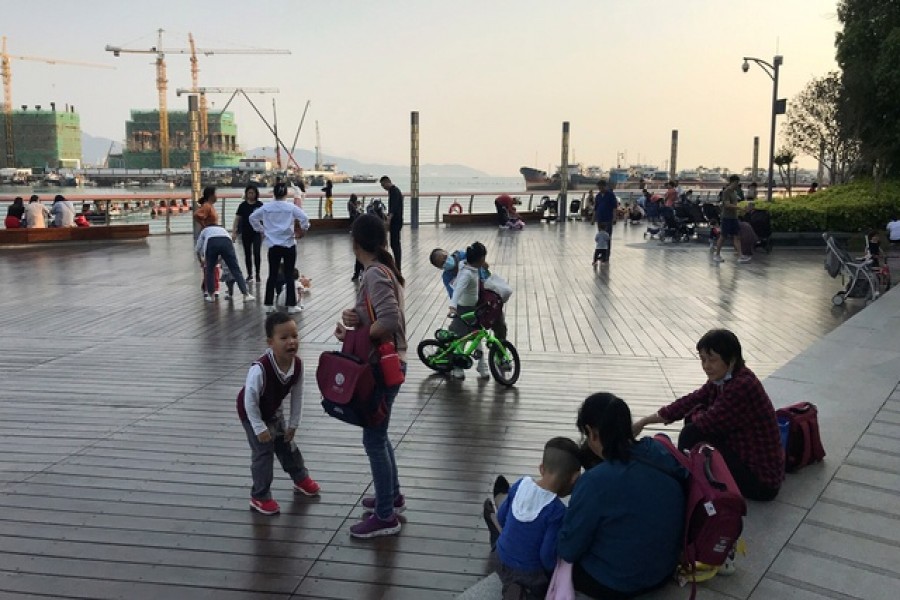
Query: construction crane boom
point(162, 82)
point(6, 74)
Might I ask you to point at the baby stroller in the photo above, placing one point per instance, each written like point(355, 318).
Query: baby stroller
point(574, 211)
point(860, 280)
point(548, 209)
point(679, 230)
point(762, 225)
point(711, 213)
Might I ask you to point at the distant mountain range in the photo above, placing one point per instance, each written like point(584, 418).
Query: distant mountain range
point(307, 159)
point(95, 149)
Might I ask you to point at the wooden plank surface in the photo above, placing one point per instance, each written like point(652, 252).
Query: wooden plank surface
point(124, 471)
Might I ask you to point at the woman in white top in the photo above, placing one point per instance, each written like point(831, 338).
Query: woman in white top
point(276, 222)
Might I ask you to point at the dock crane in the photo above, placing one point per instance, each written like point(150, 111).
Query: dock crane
point(162, 81)
point(6, 73)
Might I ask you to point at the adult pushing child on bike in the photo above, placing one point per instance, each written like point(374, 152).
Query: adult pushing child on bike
point(475, 308)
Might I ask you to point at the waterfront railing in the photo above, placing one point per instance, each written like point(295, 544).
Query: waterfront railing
point(169, 212)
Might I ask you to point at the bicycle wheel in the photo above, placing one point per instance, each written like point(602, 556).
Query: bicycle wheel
point(505, 370)
point(432, 354)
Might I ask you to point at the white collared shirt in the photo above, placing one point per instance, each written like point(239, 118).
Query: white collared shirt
point(276, 222)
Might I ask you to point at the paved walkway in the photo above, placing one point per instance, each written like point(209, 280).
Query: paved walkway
point(124, 472)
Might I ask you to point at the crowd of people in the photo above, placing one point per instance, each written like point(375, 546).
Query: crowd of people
point(622, 530)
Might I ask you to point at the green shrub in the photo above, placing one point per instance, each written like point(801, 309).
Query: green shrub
point(849, 208)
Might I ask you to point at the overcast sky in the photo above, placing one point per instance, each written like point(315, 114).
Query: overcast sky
point(493, 80)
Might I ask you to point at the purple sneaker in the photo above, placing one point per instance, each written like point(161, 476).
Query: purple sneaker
point(368, 504)
point(372, 526)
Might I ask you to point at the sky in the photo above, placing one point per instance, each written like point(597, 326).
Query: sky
point(492, 80)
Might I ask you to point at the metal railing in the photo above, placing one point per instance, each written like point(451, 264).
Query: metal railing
point(169, 212)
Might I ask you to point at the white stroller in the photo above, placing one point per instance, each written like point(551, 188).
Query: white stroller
point(861, 280)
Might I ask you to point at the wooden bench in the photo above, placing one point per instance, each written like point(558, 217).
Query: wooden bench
point(485, 218)
point(74, 234)
point(317, 225)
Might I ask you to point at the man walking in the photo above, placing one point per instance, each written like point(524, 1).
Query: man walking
point(730, 225)
point(395, 216)
point(605, 204)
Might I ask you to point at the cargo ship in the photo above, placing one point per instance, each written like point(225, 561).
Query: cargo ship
point(579, 178)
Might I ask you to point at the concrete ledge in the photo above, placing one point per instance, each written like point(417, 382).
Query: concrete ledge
point(74, 234)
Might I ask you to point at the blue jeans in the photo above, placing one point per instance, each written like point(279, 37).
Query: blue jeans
point(222, 247)
point(382, 462)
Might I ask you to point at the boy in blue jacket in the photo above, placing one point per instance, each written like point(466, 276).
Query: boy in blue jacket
point(531, 517)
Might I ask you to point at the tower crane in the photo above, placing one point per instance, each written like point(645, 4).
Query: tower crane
point(162, 81)
point(6, 73)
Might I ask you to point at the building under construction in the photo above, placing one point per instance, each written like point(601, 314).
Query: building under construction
point(219, 150)
point(43, 138)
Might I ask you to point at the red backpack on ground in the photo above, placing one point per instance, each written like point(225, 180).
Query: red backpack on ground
point(715, 508)
point(804, 444)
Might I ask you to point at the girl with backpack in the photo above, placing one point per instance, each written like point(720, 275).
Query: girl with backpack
point(380, 294)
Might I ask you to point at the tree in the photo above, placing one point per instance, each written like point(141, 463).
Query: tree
point(868, 52)
point(814, 128)
point(783, 160)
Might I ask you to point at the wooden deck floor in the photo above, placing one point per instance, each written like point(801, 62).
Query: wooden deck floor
point(124, 471)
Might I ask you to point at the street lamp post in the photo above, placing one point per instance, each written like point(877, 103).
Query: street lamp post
point(778, 108)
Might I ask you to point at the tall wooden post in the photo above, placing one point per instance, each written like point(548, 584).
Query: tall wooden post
point(194, 115)
point(563, 174)
point(414, 169)
point(673, 159)
point(754, 173)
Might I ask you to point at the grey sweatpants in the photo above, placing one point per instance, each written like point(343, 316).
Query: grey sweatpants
point(263, 458)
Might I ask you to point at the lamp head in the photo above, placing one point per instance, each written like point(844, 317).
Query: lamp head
point(745, 67)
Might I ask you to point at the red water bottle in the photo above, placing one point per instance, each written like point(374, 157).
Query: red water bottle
point(390, 365)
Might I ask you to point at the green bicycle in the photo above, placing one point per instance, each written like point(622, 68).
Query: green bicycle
point(450, 351)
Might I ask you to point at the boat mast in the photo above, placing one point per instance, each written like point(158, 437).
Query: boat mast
point(318, 148)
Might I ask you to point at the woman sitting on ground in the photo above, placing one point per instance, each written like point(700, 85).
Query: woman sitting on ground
point(623, 529)
point(733, 413)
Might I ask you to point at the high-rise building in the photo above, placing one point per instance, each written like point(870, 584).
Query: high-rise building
point(43, 138)
point(220, 149)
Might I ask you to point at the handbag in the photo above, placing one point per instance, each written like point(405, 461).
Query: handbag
point(350, 380)
point(350, 384)
point(561, 586)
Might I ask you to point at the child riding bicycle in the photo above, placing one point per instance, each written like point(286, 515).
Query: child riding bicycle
point(465, 299)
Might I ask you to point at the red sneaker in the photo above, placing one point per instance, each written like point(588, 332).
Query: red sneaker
point(307, 487)
point(266, 507)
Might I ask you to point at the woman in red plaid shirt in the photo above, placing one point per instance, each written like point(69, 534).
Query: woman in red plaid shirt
point(733, 413)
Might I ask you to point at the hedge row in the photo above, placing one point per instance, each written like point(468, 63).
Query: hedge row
point(850, 207)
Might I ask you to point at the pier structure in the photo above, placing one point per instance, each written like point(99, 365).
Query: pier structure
point(124, 469)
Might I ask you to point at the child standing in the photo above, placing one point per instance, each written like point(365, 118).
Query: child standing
point(601, 247)
point(272, 377)
point(531, 517)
